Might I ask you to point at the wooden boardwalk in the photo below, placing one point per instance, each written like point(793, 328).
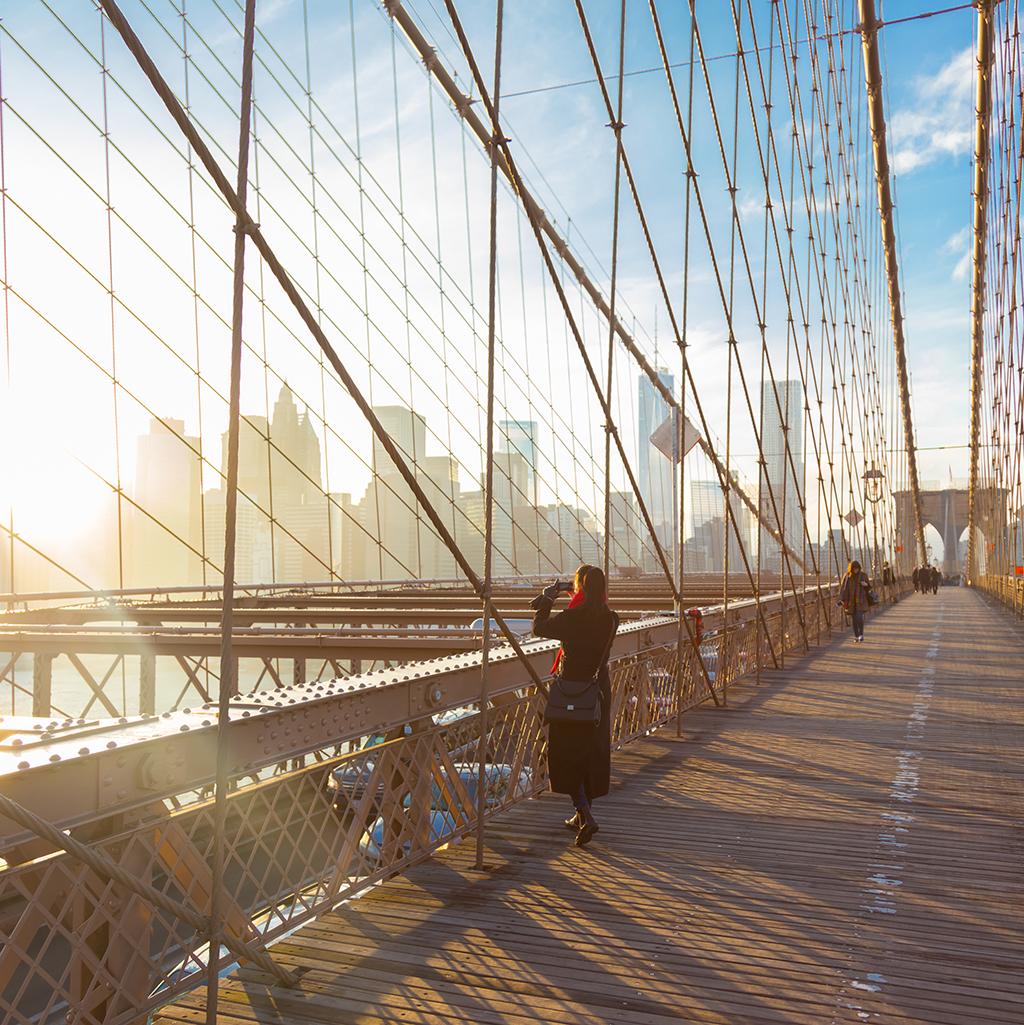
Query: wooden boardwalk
point(842, 844)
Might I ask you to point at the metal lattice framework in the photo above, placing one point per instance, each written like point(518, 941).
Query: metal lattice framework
point(111, 920)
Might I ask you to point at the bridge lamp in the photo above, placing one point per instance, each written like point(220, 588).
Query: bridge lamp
point(873, 484)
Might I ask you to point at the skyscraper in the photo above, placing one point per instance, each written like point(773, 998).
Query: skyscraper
point(706, 496)
point(295, 456)
point(408, 430)
point(656, 476)
point(253, 459)
point(164, 524)
point(777, 472)
point(521, 436)
point(626, 531)
point(279, 474)
point(713, 534)
point(389, 511)
point(302, 538)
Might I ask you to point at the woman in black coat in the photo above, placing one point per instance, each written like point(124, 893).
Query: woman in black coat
point(579, 756)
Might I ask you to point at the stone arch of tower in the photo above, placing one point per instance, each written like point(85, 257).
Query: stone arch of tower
point(946, 511)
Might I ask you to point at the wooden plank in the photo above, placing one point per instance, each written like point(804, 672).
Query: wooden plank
point(843, 844)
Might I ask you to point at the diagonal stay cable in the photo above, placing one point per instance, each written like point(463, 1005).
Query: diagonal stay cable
point(252, 229)
point(512, 170)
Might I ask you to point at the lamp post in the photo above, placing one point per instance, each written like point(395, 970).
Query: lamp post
point(873, 484)
point(874, 488)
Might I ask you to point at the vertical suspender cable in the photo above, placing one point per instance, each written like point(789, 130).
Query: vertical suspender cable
point(681, 429)
point(732, 352)
point(8, 556)
point(876, 116)
point(288, 286)
point(228, 682)
point(616, 126)
point(492, 289)
point(983, 111)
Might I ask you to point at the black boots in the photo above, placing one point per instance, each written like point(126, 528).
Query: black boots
point(587, 829)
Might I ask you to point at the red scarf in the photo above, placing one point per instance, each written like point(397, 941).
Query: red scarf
point(576, 599)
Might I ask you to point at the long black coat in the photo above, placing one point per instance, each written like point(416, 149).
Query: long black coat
point(580, 754)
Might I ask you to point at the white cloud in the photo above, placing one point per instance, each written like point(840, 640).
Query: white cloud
point(959, 244)
point(939, 121)
point(957, 241)
point(961, 268)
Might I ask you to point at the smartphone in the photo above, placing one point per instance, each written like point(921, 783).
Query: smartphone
point(564, 586)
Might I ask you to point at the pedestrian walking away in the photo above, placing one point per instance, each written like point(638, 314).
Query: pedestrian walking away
point(934, 579)
point(917, 578)
point(925, 578)
point(579, 752)
point(855, 596)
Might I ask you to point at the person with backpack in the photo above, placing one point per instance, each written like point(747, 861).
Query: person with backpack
point(579, 702)
point(855, 596)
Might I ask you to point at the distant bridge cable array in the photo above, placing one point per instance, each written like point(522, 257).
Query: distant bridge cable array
point(995, 500)
point(796, 548)
point(873, 73)
point(264, 806)
point(275, 453)
point(824, 416)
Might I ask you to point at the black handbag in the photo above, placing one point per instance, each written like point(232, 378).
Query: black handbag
point(577, 701)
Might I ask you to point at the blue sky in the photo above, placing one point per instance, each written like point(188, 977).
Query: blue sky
point(929, 71)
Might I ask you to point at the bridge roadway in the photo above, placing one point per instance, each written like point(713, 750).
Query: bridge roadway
point(842, 844)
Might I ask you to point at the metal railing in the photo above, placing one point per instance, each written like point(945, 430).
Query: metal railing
point(101, 846)
point(1007, 589)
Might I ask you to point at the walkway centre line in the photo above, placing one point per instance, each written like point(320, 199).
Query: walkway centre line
point(881, 888)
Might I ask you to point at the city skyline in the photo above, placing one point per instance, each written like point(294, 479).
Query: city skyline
point(290, 528)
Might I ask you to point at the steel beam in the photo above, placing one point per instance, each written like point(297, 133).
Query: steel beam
point(75, 771)
point(299, 643)
point(876, 115)
point(983, 116)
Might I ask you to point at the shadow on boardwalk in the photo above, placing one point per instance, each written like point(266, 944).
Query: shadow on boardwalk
point(841, 844)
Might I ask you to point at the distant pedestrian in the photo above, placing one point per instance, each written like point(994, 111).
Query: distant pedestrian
point(887, 575)
point(935, 578)
point(855, 597)
point(579, 753)
point(917, 578)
